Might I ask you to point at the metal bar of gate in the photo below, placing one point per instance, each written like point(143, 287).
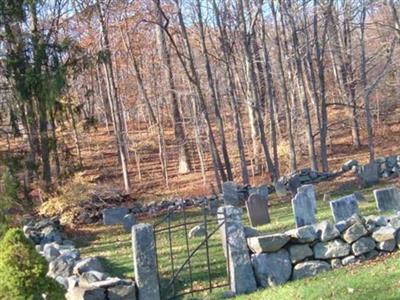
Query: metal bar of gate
point(187, 249)
point(171, 254)
point(207, 250)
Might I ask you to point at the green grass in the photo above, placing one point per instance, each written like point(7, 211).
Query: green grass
point(114, 245)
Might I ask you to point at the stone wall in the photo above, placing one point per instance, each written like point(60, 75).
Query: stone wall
point(309, 250)
point(83, 279)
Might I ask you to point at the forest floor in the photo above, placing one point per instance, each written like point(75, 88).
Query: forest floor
point(114, 245)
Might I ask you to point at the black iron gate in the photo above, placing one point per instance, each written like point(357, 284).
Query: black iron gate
point(190, 265)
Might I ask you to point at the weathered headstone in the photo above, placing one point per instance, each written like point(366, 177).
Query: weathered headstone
point(236, 251)
point(304, 206)
point(369, 174)
point(343, 208)
point(230, 193)
point(262, 190)
point(257, 210)
point(387, 198)
point(114, 216)
point(144, 261)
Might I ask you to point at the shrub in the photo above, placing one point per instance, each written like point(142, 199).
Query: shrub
point(23, 270)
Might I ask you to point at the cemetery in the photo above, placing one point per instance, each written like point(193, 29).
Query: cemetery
point(270, 245)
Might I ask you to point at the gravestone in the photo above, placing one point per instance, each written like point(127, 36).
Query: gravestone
point(261, 190)
point(343, 208)
point(304, 206)
point(369, 174)
point(114, 216)
point(387, 198)
point(257, 210)
point(230, 193)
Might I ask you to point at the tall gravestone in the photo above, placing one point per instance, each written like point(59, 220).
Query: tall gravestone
point(387, 198)
point(257, 209)
point(343, 208)
point(304, 206)
point(230, 193)
point(241, 272)
point(144, 261)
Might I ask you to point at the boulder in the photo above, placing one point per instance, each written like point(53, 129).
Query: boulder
point(363, 245)
point(272, 269)
point(394, 221)
point(327, 231)
point(267, 243)
point(82, 293)
point(197, 231)
point(309, 268)
point(332, 249)
point(73, 281)
point(51, 252)
point(88, 264)
point(304, 234)
point(87, 278)
point(122, 292)
point(384, 233)
point(369, 255)
point(50, 234)
point(354, 232)
point(387, 246)
point(128, 221)
point(336, 263)
point(351, 259)
point(61, 266)
point(348, 165)
point(299, 252)
point(114, 216)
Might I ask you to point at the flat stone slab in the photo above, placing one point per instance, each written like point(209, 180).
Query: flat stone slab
point(114, 216)
point(343, 208)
point(304, 206)
point(267, 243)
point(387, 198)
point(257, 210)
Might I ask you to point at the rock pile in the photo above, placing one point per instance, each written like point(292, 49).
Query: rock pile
point(309, 250)
point(83, 279)
point(290, 183)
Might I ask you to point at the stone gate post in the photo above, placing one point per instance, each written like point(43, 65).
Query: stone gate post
point(144, 260)
point(242, 277)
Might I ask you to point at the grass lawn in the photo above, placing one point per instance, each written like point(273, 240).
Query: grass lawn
point(379, 278)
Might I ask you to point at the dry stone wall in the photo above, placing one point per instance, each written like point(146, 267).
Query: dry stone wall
point(312, 249)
